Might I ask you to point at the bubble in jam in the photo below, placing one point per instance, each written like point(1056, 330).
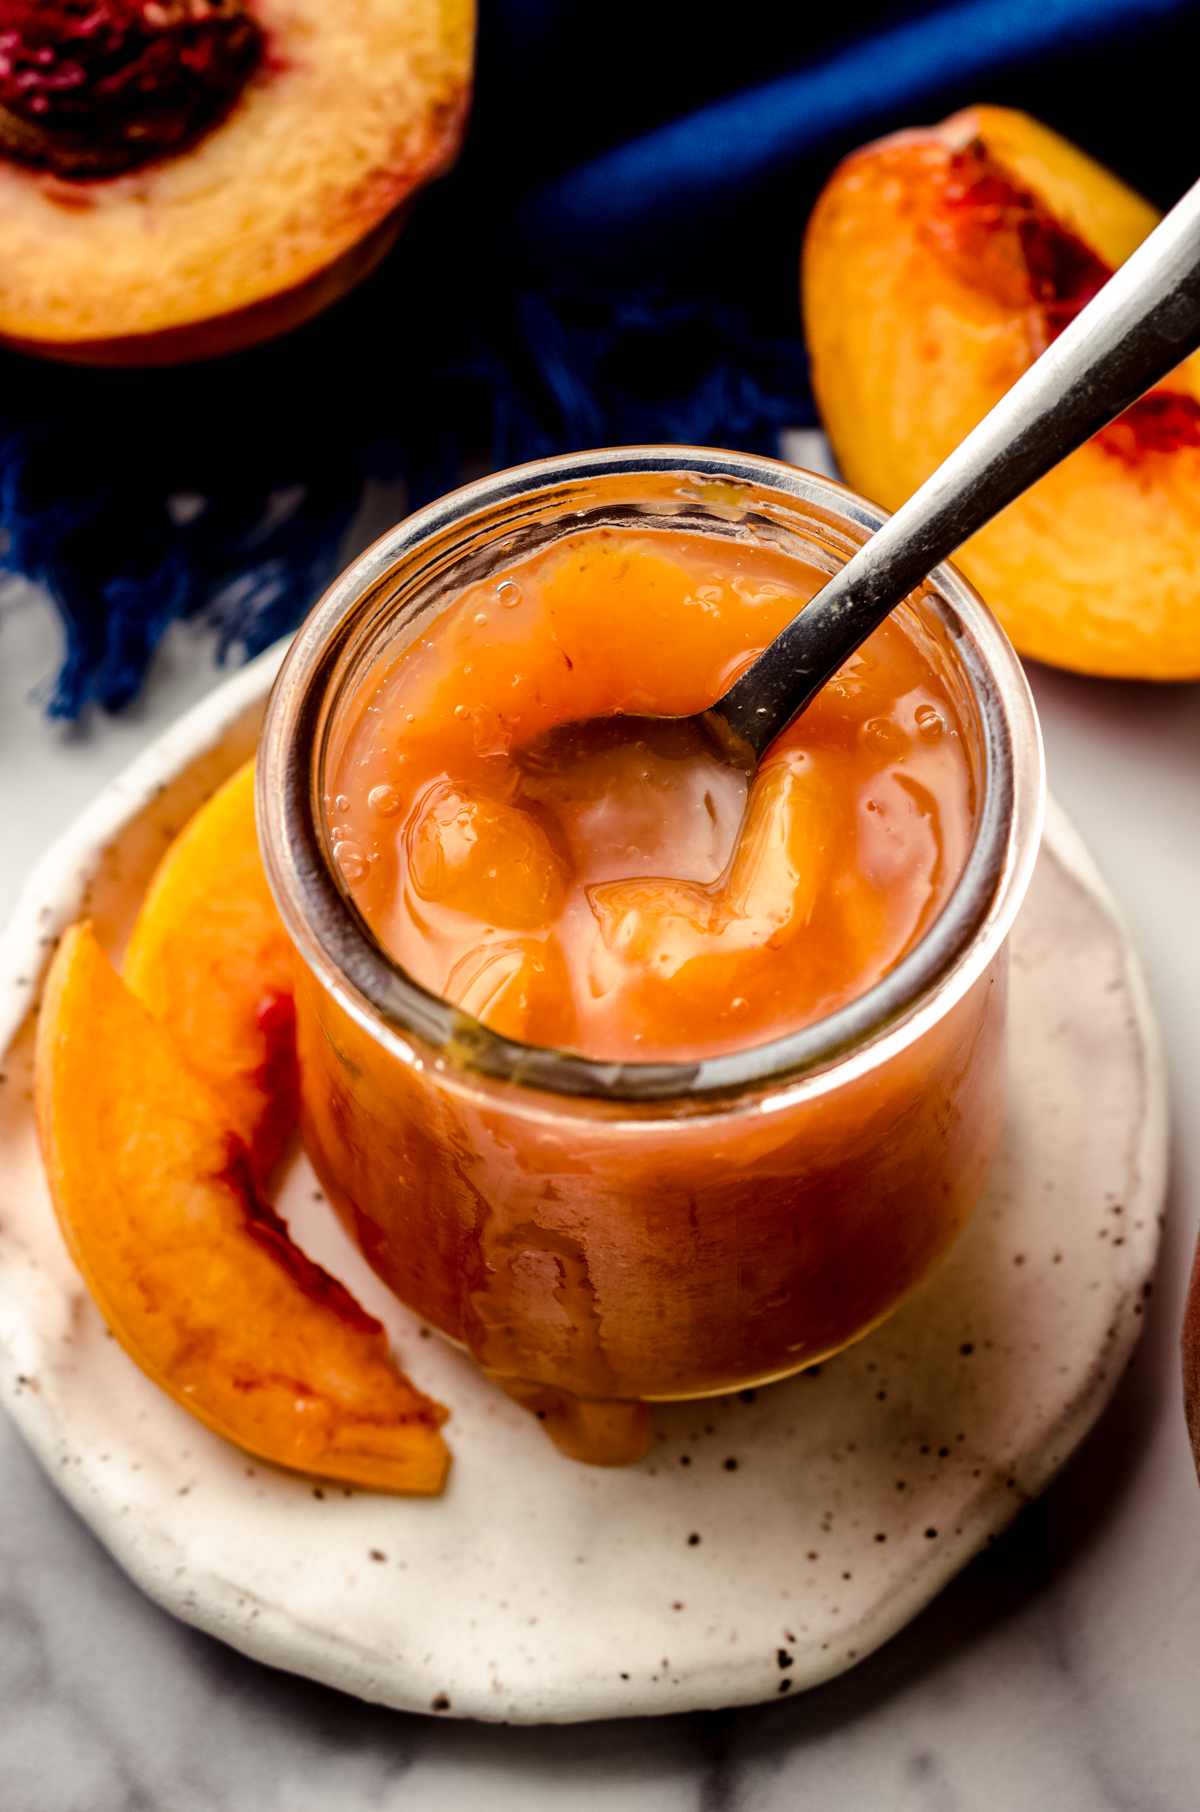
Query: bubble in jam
point(353, 861)
point(618, 889)
point(384, 801)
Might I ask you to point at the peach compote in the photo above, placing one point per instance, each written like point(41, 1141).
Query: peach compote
point(617, 888)
point(640, 1078)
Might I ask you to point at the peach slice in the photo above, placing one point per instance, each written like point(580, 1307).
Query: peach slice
point(515, 986)
point(195, 1275)
point(209, 958)
point(281, 206)
point(769, 891)
point(937, 265)
point(485, 857)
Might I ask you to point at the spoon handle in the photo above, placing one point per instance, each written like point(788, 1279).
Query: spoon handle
point(1143, 323)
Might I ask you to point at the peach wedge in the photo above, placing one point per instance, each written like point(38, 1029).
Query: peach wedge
point(194, 1274)
point(210, 959)
point(938, 264)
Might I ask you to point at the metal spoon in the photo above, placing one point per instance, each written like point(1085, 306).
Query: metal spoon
point(1139, 327)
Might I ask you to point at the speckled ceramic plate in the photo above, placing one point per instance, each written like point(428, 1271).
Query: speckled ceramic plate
point(766, 1542)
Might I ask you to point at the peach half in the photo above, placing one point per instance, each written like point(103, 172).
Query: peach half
point(937, 265)
point(151, 1160)
point(267, 216)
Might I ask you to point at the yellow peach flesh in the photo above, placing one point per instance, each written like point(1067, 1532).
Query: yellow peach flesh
point(1096, 568)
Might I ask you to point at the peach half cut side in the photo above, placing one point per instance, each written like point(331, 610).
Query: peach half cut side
point(937, 265)
point(194, 1274)
point(273, 215)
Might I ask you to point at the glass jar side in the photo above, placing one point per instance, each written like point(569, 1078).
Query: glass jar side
point(620, 1233)
point(654, 1258)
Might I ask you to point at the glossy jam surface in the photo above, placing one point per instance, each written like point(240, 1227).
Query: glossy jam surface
point(623, 893)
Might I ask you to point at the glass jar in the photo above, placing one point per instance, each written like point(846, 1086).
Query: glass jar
point(600, 1235)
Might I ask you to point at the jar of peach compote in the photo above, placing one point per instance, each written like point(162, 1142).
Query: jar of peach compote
point(638, 1088)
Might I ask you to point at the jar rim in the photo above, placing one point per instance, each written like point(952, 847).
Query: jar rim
point(340, 948)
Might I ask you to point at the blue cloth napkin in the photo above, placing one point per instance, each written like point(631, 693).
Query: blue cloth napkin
point(613, 261)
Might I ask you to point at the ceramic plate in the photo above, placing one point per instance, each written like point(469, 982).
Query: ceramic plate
point(768, 1541)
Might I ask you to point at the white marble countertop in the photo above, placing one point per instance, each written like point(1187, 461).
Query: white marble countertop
point(1062, 1670)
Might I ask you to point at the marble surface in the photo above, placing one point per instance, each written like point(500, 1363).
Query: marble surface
point(1062, 1670)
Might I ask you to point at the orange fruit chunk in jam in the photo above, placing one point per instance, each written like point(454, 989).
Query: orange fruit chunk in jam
point(484, 857)
point(619, 890)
